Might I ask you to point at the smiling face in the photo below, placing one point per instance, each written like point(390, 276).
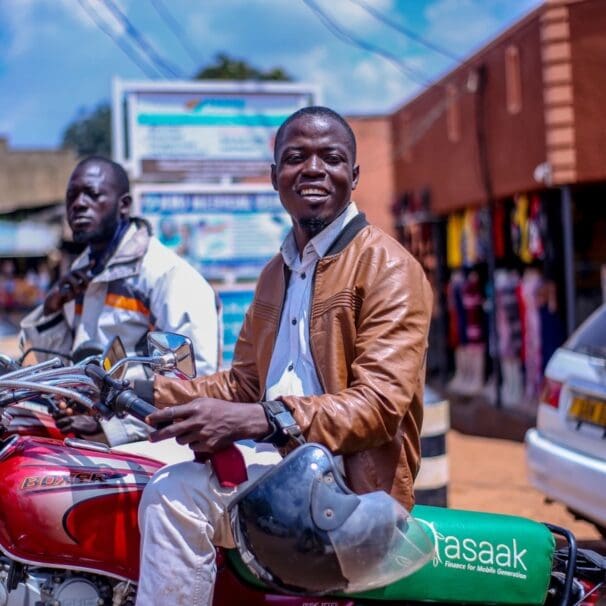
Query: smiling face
point(95, 203)
point(314, 173)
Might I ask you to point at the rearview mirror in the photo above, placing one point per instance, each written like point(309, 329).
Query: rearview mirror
point(161, 343)
point(113, 353)
point(86, 350)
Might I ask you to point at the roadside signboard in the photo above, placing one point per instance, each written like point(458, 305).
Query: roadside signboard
point(28, 238)
point(235, 301)
point(201, 131)
point(199, 156)
point(227, 232)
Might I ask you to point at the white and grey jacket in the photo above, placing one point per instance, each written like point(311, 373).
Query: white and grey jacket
point(144, 286)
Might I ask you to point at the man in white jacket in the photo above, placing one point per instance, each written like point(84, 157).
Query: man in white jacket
point(125, 283)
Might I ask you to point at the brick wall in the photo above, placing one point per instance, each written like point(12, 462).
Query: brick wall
point(375, 192)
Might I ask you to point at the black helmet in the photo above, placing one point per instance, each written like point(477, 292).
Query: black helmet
point(300, 529)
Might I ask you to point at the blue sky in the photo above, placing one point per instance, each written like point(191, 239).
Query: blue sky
point(56, 62)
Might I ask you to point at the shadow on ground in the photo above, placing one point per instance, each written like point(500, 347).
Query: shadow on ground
point(475, 415)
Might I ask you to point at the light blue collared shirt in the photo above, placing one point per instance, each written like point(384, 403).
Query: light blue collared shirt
point(292, 371)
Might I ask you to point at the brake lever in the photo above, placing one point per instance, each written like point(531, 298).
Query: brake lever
point(109, 388)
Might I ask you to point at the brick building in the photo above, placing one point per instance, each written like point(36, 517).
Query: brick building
point(498, 170)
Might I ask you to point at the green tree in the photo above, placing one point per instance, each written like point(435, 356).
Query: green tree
point(225, 67)
point(90, 133)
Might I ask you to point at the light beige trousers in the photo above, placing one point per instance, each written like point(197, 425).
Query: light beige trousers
point(182, 517)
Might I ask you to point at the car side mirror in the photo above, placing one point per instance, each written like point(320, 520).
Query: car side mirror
point(162, 343)
point(114, 352)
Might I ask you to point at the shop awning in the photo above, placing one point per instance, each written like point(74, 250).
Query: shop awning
point(28, 238)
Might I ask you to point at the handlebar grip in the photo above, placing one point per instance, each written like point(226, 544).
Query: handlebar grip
point(130, 402)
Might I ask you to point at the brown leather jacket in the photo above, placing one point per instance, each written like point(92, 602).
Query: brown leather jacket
point(369, 320)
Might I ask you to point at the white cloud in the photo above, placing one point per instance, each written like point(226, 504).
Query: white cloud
point(381, 86)
point(369, 85)
point(28, 20)
point(18, 16)
point(15, 115)
point(102, 12)
point(463, 25)
point(457, 23)
point(353, 16)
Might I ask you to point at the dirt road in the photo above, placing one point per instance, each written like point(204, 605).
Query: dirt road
point(488, 474)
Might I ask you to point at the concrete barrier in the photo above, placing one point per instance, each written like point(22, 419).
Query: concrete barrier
point(431, 485)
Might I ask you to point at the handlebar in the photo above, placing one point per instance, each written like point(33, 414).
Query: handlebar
point(69, 394)
point(107, 396)
point(228, 464)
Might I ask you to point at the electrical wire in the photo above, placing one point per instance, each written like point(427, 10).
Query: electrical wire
point(339, 32)
point(92, 13)
point(429, 118)
point(406, 31)
point(176, 29)
point(424, 123)
point(149, 51)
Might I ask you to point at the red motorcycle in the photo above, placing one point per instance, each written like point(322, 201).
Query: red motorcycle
point(69, 536)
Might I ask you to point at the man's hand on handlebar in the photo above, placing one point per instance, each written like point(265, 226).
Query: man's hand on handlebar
point(208, 425)
point(78, 424)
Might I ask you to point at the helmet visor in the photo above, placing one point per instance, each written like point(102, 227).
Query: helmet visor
point(379, 543)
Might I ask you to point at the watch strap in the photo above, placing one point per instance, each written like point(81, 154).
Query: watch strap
point(282, 424)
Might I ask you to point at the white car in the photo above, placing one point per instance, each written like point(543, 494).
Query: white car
point(566, 453)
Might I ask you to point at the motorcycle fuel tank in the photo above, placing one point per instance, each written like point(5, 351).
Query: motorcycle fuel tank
point(71, 504)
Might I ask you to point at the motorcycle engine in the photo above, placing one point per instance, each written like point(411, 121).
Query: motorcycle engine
point(72, 591)
point(57, 588)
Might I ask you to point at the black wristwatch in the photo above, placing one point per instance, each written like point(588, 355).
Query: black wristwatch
point(282, 425)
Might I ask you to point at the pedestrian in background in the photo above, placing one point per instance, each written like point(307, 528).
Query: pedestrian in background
point(125, 283)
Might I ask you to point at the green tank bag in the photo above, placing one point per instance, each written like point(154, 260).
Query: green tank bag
point(479, 558)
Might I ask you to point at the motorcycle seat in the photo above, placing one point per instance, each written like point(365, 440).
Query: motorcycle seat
point(480, 558)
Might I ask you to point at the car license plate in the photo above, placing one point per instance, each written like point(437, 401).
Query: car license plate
point(588, 410)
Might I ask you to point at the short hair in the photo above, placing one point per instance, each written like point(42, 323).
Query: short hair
point(119, 174)
point(316, 110)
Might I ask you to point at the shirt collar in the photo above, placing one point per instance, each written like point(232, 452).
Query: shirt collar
point(321, 242)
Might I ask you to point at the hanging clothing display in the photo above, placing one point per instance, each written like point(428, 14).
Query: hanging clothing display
point(509, 325)
point(509, 329)
point(457, 333)
point(532, 281)
point(469, 241)
point(536, 221)
point(473, 302)
point(527, 322)
point(499, 221)
point(454, 232)
point(519, 228)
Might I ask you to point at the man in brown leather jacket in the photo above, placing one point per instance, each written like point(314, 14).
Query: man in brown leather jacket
point(336, 335)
